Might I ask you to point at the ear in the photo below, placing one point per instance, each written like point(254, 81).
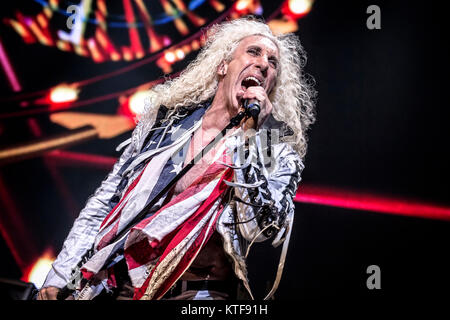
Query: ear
point(222, 68)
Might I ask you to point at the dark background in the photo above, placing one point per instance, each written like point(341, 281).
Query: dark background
point(381, 128)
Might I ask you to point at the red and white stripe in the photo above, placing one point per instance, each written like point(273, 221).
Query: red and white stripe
point(161, 247)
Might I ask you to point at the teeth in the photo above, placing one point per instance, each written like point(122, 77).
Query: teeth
point(254, 79)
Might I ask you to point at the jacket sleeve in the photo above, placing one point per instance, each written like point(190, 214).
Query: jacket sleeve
point(86, 226)
point(264, 191)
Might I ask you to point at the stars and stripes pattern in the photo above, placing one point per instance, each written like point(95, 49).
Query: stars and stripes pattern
point(162, 246)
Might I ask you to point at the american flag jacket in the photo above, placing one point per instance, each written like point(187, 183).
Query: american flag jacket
point(263, 177)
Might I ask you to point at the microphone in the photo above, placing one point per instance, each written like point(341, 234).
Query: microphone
point(252, 108)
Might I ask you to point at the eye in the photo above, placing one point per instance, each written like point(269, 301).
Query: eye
point(273, 62)
point(253, 51)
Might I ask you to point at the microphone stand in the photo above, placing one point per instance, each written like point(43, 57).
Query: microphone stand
point(251, 111)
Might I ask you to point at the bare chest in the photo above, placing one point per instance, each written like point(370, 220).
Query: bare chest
point(189, 178)
point(196, 145)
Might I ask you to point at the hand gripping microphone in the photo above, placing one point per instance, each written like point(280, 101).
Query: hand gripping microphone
point(252, 108)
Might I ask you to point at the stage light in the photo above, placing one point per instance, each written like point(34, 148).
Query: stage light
point(298, 8)
point(63, 93)
point(195, 45)
point(242, 5)
point(179, 53)
point(166, 41)
point(40, 269)
point(170, 57)
point(7, 67)
point(137, 102)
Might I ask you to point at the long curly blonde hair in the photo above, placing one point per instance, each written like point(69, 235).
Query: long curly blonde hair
point(293, 93)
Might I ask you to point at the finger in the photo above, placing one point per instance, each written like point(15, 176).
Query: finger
point(42, 293)
point(239, 96)
point(257, 96)
point(46, 295)
point(268, 108)
point(256, 89)
point(55, 293)
point(50, 294)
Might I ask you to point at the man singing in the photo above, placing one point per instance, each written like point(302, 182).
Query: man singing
point(193, 242)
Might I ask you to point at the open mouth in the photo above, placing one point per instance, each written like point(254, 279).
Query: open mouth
point(250, 82)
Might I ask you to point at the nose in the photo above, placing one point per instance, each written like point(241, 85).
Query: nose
point(263, 64)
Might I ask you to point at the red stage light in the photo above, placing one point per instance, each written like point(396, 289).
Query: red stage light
point(297, 8)
point(369, 202)
point(242, 5)
point(9, 71)
point(40, 269)
point(179, 54)
point(63, 94)
point(170, 57)
point(137, 102)
point(134, 105)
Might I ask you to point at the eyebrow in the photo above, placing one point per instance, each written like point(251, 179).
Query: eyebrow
point(255, 46)
point(274, 57)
